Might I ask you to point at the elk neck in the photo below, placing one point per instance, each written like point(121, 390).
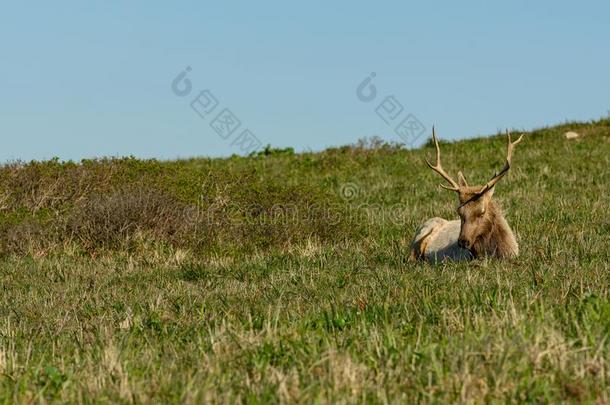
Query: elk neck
point(497, 239)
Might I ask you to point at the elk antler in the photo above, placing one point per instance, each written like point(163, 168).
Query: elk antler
point(509, 157)
point(439, 168)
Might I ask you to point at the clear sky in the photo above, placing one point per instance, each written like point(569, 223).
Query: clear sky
point(80, 80)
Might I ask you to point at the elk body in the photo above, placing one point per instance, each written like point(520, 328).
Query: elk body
point(480, 231)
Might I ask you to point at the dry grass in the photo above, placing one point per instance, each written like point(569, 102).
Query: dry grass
point(112, 292)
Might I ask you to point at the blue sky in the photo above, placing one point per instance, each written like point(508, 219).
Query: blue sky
point(81, 80)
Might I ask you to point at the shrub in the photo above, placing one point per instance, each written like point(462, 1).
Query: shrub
point(110, 204)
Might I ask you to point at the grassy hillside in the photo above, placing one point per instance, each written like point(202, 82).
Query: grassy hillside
point(284, 277)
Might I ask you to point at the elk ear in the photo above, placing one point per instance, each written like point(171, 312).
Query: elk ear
point(462, 180)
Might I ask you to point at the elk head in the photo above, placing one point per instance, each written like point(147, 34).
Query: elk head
point(478, 214)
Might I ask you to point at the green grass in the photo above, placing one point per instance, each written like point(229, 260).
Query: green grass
point(115, 284)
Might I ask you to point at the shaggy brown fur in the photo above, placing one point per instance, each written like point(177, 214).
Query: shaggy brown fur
point(484, 230)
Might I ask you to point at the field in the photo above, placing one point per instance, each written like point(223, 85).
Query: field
point(285, 277)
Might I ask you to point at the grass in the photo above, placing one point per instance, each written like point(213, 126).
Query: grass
point(285, 277)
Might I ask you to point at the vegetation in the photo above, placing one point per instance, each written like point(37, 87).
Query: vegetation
point(285, 277)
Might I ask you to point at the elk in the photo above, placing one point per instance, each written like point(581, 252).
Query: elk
point(481, 230)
